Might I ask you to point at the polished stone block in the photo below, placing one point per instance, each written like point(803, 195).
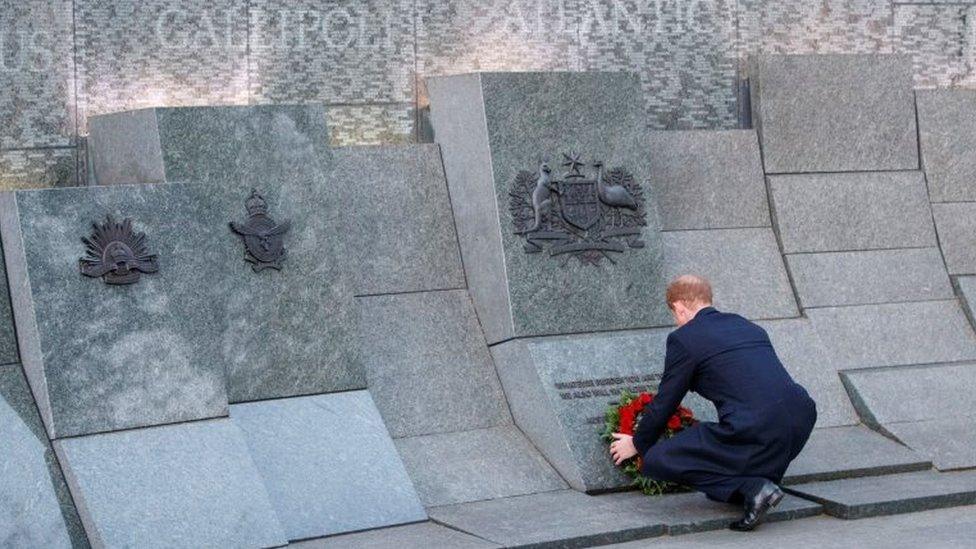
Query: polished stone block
point(101, 357)
point(891, 494)
point(315, 478)
point(878, 276)
point(852, 211)
point(947, 131)
point(956, 224)
point(427, 364)
point(966, 287)
point(187, 485)
point(896, 334)
point(835, 113)
point(938, 391)
point(744, 266)
point(402, 227)
point(559, 388)
point(35, 507)
point(492, 126)
point(708, 179)
point(949, 442)
point(411, 536)
point(8, 335)
point(481, 464)
point(852, 451)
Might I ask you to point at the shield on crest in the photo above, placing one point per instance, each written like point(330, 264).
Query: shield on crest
point(580, 203)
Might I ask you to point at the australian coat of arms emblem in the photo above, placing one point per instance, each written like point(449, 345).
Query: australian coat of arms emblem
point(264, 244)
point(116, 254)
point(587, 217)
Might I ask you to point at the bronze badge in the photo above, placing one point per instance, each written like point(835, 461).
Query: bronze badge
point(116, 254)
point(263, 238)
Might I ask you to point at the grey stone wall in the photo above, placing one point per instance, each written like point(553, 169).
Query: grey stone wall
point(63, 61)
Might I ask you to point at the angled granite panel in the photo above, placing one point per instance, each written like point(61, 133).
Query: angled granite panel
point(947, 131)
point(835, 113)
point(36, 509)
point(852, 211)
point(125, 148)
point(101, 357)
point(491, 127)
point(708, 179)
point(559, 388)
point(411, 536)
point(949, 442)
point(476, 465)
point(401, 224)
point(314, 477)
point(744, 266)
point(877, 276)
point(427, 364)
point(966, 288)
point(852, 451)
point(8, 335)
point(186, 485)
point(803, 354)
point(896, 334)
point(956, 224)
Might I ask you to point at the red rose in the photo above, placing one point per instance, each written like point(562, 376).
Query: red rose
point(626, 421)
point(645, 398)
point(674, 423)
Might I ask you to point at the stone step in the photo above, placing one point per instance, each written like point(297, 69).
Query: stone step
point(422, 535)
point(568, 518)
point(891, 494)
point(854, 451)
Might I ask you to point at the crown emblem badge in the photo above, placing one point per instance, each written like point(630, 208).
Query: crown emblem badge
point(264, 243)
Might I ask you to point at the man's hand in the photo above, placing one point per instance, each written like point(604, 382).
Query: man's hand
point(622, 448)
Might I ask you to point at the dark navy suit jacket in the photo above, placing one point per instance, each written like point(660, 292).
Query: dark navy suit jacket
point(731, 362)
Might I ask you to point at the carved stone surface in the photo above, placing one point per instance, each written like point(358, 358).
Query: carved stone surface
point(101, 358)
point(491, 127)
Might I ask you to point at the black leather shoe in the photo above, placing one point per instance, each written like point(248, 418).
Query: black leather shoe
point(768, 497)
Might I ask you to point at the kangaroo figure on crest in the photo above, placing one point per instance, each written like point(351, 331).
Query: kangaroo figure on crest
point(541, 196)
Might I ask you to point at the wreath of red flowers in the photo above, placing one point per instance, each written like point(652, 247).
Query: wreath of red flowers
point(623, 417)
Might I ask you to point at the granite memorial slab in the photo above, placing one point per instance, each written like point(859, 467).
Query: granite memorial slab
point(186, 485)
point(411, 536)
point(318, 483)
point(891, 494)
point(36, 509)
point(852, 451)
point(428, 365)
point(949, 442)
point(947, 135)
point(852, 211)
point(476, 465)
point(966, 289)
point(956, 223)
point(895, 334)
point(835, 113)
point(708, 179)
point(548, 174)
point(744, 266)
point(402, 227)
point(103, 356)
point(877, 276)
point(562, 518)
point(8, 335)
point(558, 389)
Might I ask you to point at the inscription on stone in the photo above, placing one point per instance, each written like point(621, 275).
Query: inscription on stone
point(264, 245)
point(579, 216)
point(605, 387)
point(116, 254)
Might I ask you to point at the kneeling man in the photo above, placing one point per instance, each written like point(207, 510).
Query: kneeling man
point(765, 417)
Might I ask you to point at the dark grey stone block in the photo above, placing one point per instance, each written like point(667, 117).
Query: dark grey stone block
point(895, 334)
point(564, 518)
point(708, 179)
point(802, 352)
point(428, 365)
point(315, 478)
point(879, 276)
point(482, 464)
point(744, 266)
point(124, 147)
point(947, 132)
point(835, 113)
point(102, 357)
point(852, 211)
point(412, 536)
point(966, 287)
point(490, 127)
point(852, 451)
point(8, 336)
point(693, 512)
point(559, 388)
point(402, 227)
point(949, 442)
point(956, 224)
point(186, 485)
point(36, 509)
point(891, 494)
